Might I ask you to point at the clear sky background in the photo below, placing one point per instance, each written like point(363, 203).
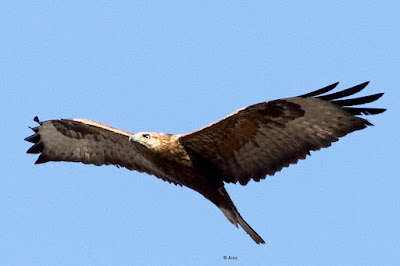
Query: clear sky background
point(175, 66)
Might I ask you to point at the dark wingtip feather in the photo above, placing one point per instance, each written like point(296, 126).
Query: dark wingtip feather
point(364, 111)
point(373, 111)
point(35, 129)
point(359, 100)
point(344, 93)
point(36, 119)
point(344, 104)
point(36, 148)
point(41, 159)
point(320, 91)
point(33, 138)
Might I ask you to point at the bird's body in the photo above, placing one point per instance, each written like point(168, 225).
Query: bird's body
point(251, 143)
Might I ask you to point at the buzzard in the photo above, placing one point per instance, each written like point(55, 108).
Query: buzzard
point(249, 144)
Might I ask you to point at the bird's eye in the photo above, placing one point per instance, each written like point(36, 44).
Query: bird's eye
point(146, 136)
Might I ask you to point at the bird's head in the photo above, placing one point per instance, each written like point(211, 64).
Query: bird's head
point(151, 139)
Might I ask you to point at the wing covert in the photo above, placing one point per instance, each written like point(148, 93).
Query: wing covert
point(90, 142)
point(262, 139)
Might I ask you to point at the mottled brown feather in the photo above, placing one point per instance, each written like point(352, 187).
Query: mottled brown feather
point(249, 144)
point(262, 139)
point(90, 142)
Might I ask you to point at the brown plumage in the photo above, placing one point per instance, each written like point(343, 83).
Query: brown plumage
point(251, 143)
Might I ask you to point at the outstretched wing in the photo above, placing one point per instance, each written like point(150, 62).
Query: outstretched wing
point(263, 138)
point(90, 142)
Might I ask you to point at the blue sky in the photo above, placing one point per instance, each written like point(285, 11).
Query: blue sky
point(172, 66)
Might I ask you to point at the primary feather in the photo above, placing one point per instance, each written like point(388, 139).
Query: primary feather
point(249, 144)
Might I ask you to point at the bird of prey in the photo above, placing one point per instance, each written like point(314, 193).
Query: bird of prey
point(249, 144)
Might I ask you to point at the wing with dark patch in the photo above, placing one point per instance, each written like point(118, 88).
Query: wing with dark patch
point(90, 142)
point(262, 139)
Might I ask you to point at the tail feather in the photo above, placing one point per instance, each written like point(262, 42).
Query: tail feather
point(247, 228)
point(228, 208)
point(236, 219)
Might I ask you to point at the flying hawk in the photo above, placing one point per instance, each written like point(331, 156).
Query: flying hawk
point(251, 143)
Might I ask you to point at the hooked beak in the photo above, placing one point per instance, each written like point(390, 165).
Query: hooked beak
point(132, 138)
